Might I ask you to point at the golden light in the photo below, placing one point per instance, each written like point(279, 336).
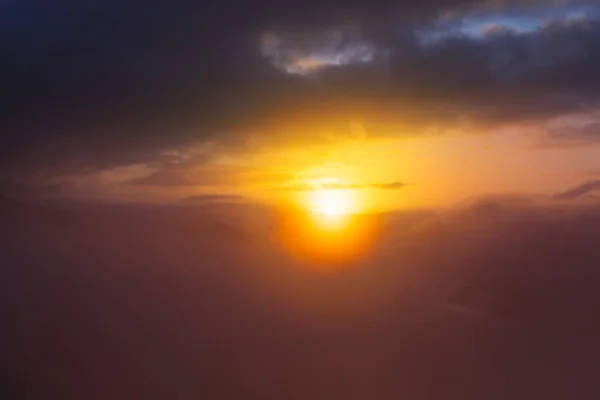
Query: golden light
point(331, 202)
point(329, 232)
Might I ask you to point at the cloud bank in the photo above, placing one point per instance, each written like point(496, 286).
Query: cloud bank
point(488, 300)
point(97, 85)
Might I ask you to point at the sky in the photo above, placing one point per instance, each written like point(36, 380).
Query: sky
point(462, 135)
point(397, 105)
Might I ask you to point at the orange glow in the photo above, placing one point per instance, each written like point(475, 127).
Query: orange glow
point(328, 240)
point(329, 221)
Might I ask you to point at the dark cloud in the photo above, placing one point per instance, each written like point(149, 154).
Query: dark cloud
point(580, 190)
point(89, 85)
point(166, 177)
point(23, 190)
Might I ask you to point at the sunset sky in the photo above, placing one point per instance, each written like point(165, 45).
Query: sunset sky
point(317, 199)
point(392, 105)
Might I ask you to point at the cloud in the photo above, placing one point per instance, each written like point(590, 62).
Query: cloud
point(20, 190)
point(345, 186)
point(165, 177)
point(214, 198)
point(195, 173)
point(573, 130)
point(579, 191)
point(91, 86)
point(389, 186)
point(337, 47)
point(445, 293)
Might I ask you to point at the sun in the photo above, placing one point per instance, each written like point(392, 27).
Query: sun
point(331, 202)
point(331, 232)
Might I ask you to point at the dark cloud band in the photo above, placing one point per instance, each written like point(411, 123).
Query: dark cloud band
point(98, 84)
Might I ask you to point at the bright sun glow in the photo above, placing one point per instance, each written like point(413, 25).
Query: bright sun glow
point(331, 202)
point(334, 233)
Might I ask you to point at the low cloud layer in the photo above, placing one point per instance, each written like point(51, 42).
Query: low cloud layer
point(488, 300)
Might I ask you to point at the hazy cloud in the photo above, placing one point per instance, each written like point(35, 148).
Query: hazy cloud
point(165, 177)
point(580, 190)
point(460, 306)
point(345, 186)
point(214, 198)
point(389, 186)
